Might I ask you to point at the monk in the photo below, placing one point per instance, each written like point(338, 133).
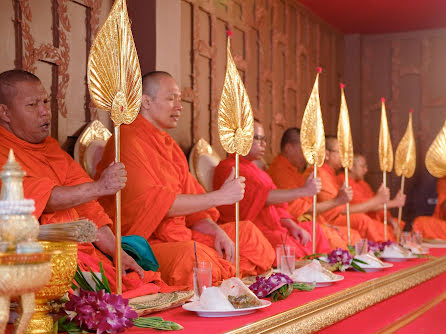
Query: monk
point(287, 171)
point(366, 226)
point(61, 189)
point(165, 204)
point(266, 205)
point(434, 227)
point(363, 193)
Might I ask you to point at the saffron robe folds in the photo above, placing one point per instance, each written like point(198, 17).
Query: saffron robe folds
point(366, 226)
point(157, 171)
point(434, 227)
point(286, 176)
point(47, 166)
point(266, 217)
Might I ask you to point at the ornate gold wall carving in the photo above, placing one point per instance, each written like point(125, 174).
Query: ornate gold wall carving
point(277, 46)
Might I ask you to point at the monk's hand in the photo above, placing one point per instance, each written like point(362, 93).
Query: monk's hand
point(224, 244)
point(129, 264)
point(345, 194)
point(394, 225)
point(400, 199)
point(312, 185)
point(232, 190)
point(300, 234)
point(383, 194)
point(112, 179)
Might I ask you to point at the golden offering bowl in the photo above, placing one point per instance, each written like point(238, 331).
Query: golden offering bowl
point(20, 276)
point(64, 261)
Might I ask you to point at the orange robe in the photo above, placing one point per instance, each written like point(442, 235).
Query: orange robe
point(366, 226)
point(157, 171)
point(434, 227)
point(47, 166)
point(266, 217)
point(285, 176)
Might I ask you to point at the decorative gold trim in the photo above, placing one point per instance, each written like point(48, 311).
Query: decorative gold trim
point(408, 318)
point(326, 311)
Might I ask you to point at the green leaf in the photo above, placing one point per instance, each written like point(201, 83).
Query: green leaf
point(351, 249)
point(104, 279)
point(79, 278)
point(314, 256)
point(156, 323)
point(354, 265)
point(304, 286)
point(359, 261)
point(99, 285)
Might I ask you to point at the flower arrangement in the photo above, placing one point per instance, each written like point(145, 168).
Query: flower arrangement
point(89, 309)
point(339, 259)
point(278, 286)
point(378, 247)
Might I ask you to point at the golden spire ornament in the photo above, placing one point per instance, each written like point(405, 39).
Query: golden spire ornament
point(312, 138)
point(115, 85)
point(405, 160)
point(235, 126)
point(385, 154)
point(436, 155)
point(345, 147)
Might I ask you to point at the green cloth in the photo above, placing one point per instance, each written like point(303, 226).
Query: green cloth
point(139, 249)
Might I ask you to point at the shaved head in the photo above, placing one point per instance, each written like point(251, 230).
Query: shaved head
point(8, 82)
point(330, 142)
point(151, 82)
point(292, 136)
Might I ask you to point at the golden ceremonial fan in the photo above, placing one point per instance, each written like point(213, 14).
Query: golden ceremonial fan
point(345, 147)
point(405, 158)
point(312, 138)
point(115, 85)
point(436, 155)
point(235, 125)
point(385, 154)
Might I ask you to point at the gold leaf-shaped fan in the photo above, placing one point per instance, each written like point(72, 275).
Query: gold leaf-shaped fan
point(405, 152)
point(436, 155)
point(312, 136)
point(385, 144)
point(344, 134)
point(113, 74)
point(235, 119)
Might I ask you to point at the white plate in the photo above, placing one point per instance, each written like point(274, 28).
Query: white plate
point(325, 283)
point(398, 259)
point(375, 269)
point(195, 307)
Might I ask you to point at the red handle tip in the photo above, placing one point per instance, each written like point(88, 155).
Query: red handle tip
point(319, 70)
point(342, 85)
point(411, 110)
point(383, 100)
point(229, 33)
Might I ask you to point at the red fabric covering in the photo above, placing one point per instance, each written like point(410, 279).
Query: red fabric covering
point(392, 308)
point(431, 322)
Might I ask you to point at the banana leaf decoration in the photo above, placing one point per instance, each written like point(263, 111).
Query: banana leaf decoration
point(113, 73)
point(115, 85)
point(344, 134)
point(436, 155)
point(405, 155)
point(235, 118)
point(312, 136)
point(385, 144)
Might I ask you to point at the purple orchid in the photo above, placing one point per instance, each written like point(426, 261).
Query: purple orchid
point(341, 257)
point(100, 311)
point(263, 287)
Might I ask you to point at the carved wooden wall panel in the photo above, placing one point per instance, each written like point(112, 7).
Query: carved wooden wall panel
point(53, 38)
point(408, 70)
point(276, 45)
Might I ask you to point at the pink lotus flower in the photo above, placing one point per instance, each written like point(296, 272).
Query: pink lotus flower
point(100, 311)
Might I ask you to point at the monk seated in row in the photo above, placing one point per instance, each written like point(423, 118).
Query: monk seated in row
point(434, 227)
point(265, 205)
point(166, 205)
point(367, 227)
point(363, 194)
point(287, 171)
point(61, 189)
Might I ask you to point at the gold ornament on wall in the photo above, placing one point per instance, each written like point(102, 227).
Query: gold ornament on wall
point(436, 155)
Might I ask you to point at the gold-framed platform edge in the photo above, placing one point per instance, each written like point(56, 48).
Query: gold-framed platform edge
point(323, 312)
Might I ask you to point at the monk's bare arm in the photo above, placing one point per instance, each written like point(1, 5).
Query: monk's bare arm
point(112, 179)
point(310, 188)
point(230, 192)
point(398, 201)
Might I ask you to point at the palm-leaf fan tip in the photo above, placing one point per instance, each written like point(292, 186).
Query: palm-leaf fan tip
point(235, 118)
point(113, 72)
point(312, 134)
point(385, 150)
point(436, 155)
point(405, 155)
point(344, 133)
